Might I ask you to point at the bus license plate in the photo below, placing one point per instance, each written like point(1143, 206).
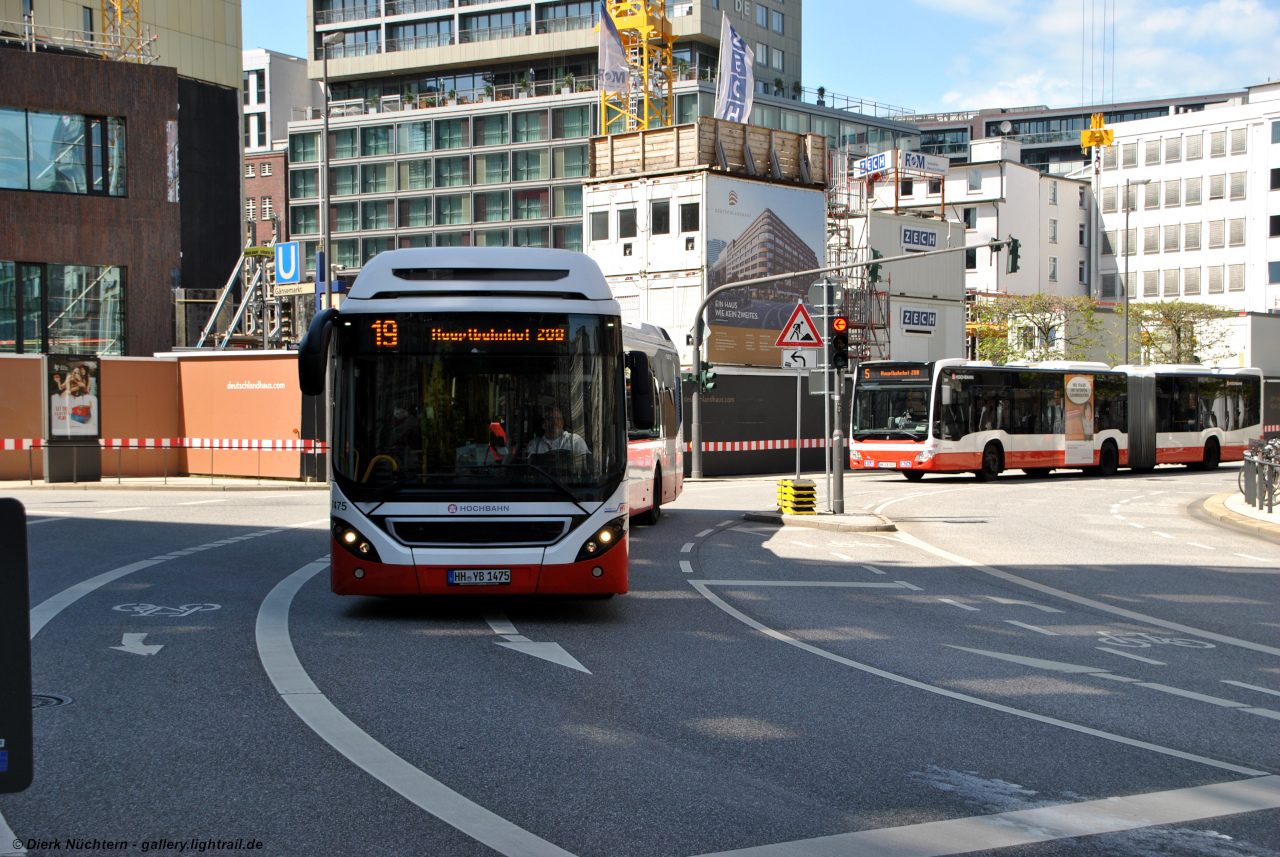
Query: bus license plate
point(479, 576)
point(888, 464)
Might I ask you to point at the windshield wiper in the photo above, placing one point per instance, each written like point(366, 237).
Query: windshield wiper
point(565, 490)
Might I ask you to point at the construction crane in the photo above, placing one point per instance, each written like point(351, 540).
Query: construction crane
point(647, 40)
point(122, 26)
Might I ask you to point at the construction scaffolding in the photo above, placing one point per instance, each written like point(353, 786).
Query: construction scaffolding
point(122, 26)
point(849, 243)
point(262, 317)
point(647, 40)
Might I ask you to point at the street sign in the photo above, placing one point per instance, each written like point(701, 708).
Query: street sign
point(800, 358)
point(799, 331)
point(288, 269)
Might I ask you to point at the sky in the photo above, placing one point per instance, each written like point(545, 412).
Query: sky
point(945, 55)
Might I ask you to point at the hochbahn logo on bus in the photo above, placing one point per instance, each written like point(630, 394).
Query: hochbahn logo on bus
point(454, 508)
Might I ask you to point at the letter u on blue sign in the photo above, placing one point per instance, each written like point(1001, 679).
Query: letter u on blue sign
point(287, 268)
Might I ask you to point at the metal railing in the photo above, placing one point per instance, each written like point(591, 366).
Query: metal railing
point(428, 100)
point(351, 13)
point(412, 7)
point(359, 49)
point(414, 43)
point(110, 45)
point(493, 34)
point(944, 148)
point(1260, 474)
point(566, 25)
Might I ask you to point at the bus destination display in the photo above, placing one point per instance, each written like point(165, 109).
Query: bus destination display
point(390, 334)
point(896, 372)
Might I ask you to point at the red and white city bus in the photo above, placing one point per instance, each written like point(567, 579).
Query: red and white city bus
point(956, 415)
point(481, 399)
point(655, 456)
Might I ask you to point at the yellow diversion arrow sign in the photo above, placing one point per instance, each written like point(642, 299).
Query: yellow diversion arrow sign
point(1096, 135)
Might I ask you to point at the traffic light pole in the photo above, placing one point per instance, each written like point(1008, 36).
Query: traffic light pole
point(837, 445)
point(695, 429)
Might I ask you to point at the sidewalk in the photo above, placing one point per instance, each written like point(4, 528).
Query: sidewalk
point(1232, 511)
point(173, 483)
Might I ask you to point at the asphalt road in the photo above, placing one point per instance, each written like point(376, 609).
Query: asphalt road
point(1023, 662)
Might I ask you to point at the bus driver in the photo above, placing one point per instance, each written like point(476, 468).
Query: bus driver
point(556, 438)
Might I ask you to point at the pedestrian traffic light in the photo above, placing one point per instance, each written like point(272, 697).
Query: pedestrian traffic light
point(707, 378)
point(873, 272)
point(1014, 247)
point(838, 347)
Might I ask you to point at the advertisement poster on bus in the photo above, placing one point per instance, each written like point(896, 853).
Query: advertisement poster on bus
point(1077, 419)
point(72, 392)
point(754, 229)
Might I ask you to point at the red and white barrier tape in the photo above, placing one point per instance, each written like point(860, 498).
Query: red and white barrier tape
point(759, 445)
point(20, 444)
point(242, 444)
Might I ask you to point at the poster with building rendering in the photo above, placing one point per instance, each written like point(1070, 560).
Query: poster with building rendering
point(758, 229)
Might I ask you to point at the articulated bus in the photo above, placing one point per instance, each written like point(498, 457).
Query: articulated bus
point(956, 415)
point(656, 455)
point(481, 404)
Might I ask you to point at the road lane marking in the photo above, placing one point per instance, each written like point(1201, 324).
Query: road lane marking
point(958, 604)
point(1139, 526)
point(906, 585)
point(1198, 545)
point(1131, 655)
point(1047, 633)
point(686, 566)
point(873, 569)
point(843, 584)
point(1042, 608)
point(704, 534)
point(202, 502)
point(842, 556)
point(291, 681)
point(1080, 599)
point(499, 623)
point(1258, 558)
point(113, 511)
point(1038, 663)
point(1114, 677)
point(1031, 826)
point(1252, 687)
point(1166, 535)
point(726, 523)
point(1264, 712)
point(31, 523)
point(1191, 694)
point(885, 505)
point(687, 548)
point(703, 588)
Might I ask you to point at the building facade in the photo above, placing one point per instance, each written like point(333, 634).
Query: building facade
point(275, 90)
point(1191, 206)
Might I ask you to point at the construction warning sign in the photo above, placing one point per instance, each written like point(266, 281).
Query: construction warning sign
point(799, 331)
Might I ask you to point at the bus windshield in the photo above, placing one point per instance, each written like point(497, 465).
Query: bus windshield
point(478, 404)
point(891, 411)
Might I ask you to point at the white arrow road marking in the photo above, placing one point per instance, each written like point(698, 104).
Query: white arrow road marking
point(1039, 607)
point(520, 643)
point(133, 645)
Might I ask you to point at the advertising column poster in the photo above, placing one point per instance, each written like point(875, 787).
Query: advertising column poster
point(73, 396)
point(1079, 420)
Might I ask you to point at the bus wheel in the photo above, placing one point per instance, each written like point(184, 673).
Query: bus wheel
point(913, 475)
point(651, 517)
point(990, 464)
point(1037, 472)
point(1212, 455)
point(1108, 460)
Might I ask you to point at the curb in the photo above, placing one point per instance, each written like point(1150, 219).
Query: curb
point(112, 486)
point(864, 523)
point(1216, 508)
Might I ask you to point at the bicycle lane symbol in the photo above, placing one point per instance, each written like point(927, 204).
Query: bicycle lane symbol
point(1137, 640)
point(168, 612)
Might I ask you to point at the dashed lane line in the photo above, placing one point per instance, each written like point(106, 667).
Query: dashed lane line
point(1198, 545)
point(842, 556)
point(1131, 656)
point(1251, 687)
point(838, 584)
point(1041, 607)
point(1038, 630)
point(686, 566)
point(907, 538)
point(703, 588)
point(1248, 556)
point(688, 547)
point(906, 585)
point(113, 511)
point(958, 604)
point(1158, 533)
point(280, 661)
point(704, 534)
point(889, 503)
point(873, 569)
point(202, 502)
point(1191, 694)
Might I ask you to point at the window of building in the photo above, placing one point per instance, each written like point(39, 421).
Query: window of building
point(415, 212)
point(1217, 187)
point(627, 223)
point(1152, 152)
point(1216, 280)
point(1191, 236)
point(1195, 146)
point(567, 237)
point(1172, 232)
point(530, 165)
point(1053, 269)
point(453, 172)
point(906, 187)
point(304, 220)
point(1109, 158)
point(1129, 154)
point(493, 168)
point(971, 259)
point(935, 187)
point(492, 207)
point(416, 174)
point(377, 214)
point(1108, 286)
point(970, 218)
point(266, 168)
point(260, 84)
point(1108, 200)
point(409, 242)
point(599, 226)
point(775, 59)
point(1191, 281)
point(1084, 196)
point(531, 127)
point(266, 207)
point(1217, 144)
point(1275, 132)
point(1275, 178)
point(1274, 226)
point(1172, 193)
point(373, 246)
point(344, 217)
point(1235, 278)
point(413, 137)
point(248, 170)
point(566, 201)
point(762, 58)
point(1109, 242)
point(344, 143)
point(1083, 235)
point(1235, 232)
point(62, 153)
point(1172, 282)
point(1151, 284)
point(1172, 150)
point(303, 148)
point(1217, 234)
point(762, 16)
point(1130, 242)
point(375, 141)
point(529, 236)
point(1053, 231)
point(570, 122)
point(344, 181)
point(570, 162)
point(778, 23)
point(1151, 196)
point(689, 217)
point(531, 204)
point(1238, 182)
point(453, 239)
point(1131, 197)
point(1193, 190)
point(376, 178)
point(250, 209)
point(79, 309)
point(451, 210)
point(1151, 239)
point(975, 180)
point(1082, 274)
point(660, 217)
point(451, 133)
point(1239, 141)
point(491, 130)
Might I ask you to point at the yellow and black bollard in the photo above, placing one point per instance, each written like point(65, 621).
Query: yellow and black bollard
point(797, 497)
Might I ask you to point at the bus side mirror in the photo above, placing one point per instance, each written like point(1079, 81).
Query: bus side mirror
point(313, 352)
point(643, 406)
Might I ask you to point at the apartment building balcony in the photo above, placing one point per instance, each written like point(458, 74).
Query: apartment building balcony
point(414, 43)
point(492, 34)
point(566, 25)
point(414, 7)
point(344, 16)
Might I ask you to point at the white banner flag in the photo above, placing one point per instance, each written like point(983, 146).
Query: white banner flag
point(736, 83)
point(614, 72)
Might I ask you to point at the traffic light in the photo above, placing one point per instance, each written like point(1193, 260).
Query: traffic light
point(838, 347)
point(1014, 247)
point(707, 378)
point(873, 272)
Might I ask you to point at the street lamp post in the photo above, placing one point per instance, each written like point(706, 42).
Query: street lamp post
point(325, 43)
point(1128, 251)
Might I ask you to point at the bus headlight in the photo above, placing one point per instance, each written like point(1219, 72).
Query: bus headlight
point(929, 452)
point(353, 541)
point(854, 455)
point(603, 539)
